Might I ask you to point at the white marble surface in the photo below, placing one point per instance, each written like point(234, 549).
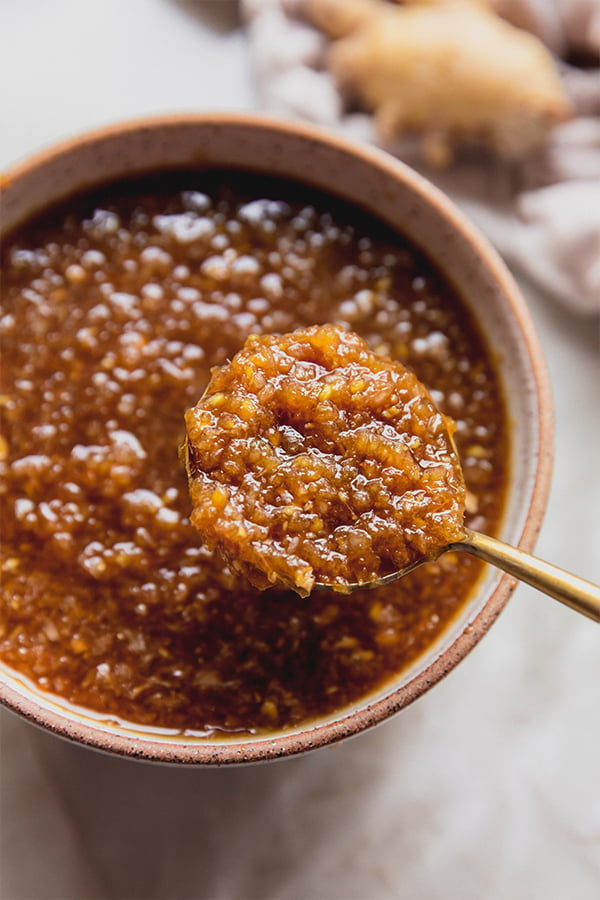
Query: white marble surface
point(488, 787)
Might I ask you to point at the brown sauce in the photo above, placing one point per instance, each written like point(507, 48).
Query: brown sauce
point(312, 460)
point(114, 309)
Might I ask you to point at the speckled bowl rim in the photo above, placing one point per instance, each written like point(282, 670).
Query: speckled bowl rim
point(75, 727)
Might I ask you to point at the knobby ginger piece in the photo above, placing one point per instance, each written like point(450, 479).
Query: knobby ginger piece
point(456, 73)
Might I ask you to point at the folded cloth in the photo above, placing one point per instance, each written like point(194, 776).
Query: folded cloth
point(564, 26)
point(543, 213)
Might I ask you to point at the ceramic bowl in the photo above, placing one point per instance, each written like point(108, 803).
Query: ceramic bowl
point(409, 204)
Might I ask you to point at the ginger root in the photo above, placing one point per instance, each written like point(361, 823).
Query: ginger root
point(452, 71)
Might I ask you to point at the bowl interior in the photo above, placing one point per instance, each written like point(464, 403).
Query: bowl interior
point(409, 204)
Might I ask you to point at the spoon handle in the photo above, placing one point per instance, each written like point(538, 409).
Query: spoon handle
point(580, 595)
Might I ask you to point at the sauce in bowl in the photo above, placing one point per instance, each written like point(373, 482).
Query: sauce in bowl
point(115, 307)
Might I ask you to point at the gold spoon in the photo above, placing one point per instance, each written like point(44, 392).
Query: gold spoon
point(575, 592)
point(579, 594)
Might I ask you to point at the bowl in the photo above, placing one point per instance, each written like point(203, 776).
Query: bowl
point(408, 203)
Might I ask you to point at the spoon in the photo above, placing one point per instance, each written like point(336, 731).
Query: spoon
point(278, 356)
point(579, 594)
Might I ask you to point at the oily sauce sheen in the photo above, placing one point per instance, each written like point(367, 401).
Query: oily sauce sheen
point(114, 309)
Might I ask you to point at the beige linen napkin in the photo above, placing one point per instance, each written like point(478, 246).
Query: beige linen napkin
point(543, 215)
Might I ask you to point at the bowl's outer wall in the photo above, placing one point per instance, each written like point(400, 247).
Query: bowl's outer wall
point(410, 204)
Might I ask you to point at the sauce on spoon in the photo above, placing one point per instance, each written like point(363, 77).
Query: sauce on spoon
point(313, 460)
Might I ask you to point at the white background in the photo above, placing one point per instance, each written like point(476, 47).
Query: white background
point(488, 787)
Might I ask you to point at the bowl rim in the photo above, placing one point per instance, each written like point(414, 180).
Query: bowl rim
point(284, 744)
